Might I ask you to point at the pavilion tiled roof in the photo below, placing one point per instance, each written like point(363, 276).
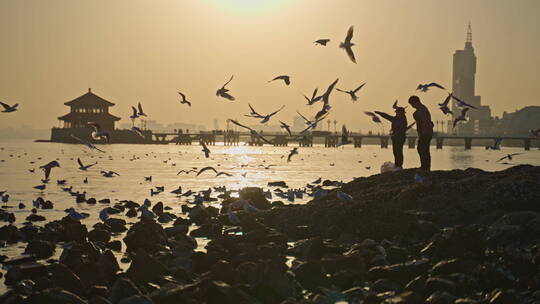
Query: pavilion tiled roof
point(89, 100)
point(75, 116)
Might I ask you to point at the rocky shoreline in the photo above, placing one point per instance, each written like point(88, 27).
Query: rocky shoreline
point(461, 236)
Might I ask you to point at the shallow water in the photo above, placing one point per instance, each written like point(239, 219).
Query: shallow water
point(162, 162)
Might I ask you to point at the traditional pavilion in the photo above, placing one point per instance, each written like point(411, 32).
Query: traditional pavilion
point(89, 108)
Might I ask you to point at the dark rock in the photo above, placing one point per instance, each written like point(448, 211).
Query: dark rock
point(400, 273)
point(439, 284)
point(198, 215)
point(310, 275)
point(137, 299)
point(47, 205)
point(407, 297)
point(22, 206)
point(18, 260)
point(10, 234)
point(107, 265)
point(456, 242)
point(61, 276)
point(158, 208)
point(147, 235)
point(31, 271)
point(396, 255)
point(447, 267)
point(122, 289)
point(384, 285)
point(91, 201)
point(256, 197)
point(35, 218)
point(96, 299)
point(176, 230)
point(132, 212)
point(104, 201)
point(503, 297)
point(144, 268)
point(441, 297)
point(55, 295)
point(115, 245)
point(280, 184)
point(99, 235)
point(116, 225)
point(41, 249)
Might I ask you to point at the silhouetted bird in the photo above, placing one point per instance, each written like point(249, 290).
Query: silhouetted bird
point(461, 117)
point(373, 116)
point(509, 156)
point(463, 104)
point(140, 111)
point(352, 92)
point(205, 149)
point(82, 166)
point(8, 108)
point(285, 78)
point(444, 105)
point(347, 44)
point(322, 42)
point(184, 100)
point(425, 87)
point(223, 92)
point(285, 126)
point(48, 167)
point(293, 152)
point(206, 169)
point(134, 114)
point(535, 133)
point(253, 132)
point(98, 133)
point(265, 118)
point(88, 144)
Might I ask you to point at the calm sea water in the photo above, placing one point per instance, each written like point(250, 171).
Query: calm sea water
point(250, 166)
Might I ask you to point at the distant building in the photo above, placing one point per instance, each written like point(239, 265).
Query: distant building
point(463, 86)
point(89, 108)
point(518, 123)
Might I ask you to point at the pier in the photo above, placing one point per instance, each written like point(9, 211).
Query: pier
point(328, 139)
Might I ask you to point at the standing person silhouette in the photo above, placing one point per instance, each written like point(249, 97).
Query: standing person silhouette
point(398, 130)
point(424, 126)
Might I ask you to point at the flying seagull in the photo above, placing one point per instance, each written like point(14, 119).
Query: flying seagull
point(88, 144)
point(322, 42)
point(461, 117)
point(109, 173)
point(253, 132)
point(186, 171)
point(285, 78)
point(82, 166)
point(137, 131)
point(98, 133)
point(8, 108)
point(293, 152)
point(326, 96)
point(285, 126)
point(265, 118)
point(425, 87)
point(347, 44)
point(48, 167)
point(314, 98)
point(313, 125)
point(444, 105)
point(223, 92)
point(205, 149)
point(307, 121)
point(140, 111)
point(134, 114)
point(462, 104)
point(223, 173)
point(206, 169)
point(352, 92)
point(535, 133)
point(373, 116)
point(184, 100)
point(509, 156)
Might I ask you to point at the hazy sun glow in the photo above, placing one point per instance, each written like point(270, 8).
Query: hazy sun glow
point(248, 5)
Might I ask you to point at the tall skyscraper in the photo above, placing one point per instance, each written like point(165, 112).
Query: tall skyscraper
point(463, 86)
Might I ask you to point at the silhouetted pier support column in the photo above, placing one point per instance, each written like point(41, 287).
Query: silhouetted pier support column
point(411, 142)
point(468, 143)
point(384, 142)
point(255, 141)
point(357, 141)
point(306, 141)
point(527, 144)
point(280, 141)
point(230, 138)
point(440, 142)
point(330, 141)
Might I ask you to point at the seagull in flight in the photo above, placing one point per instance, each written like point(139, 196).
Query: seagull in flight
point(137, 131)
point(314, 98)
point(184, 100)
point(425, 87)
point(322, 42)
point(253, 132)
point(285, 126)
point(223, 92)
point(307, 121)
point(293, 152)
point(134, 114)
point(8, 108)
point(206, 169)
point(326, 96)
point(444, 105)
point(509, 156)
point(373, 116)
point(88, 144)
point(461, 117)
point(462, 104)
point(223, 173)
point(140, 111)
point(83, 167)
point(109, 173)
point(186, 171)
point(347, 44)
point(48, 167)
point(285, 78)
point(98, 133)
point(313, 125)
point(352, 92)
point(265, 118)
point(205, 149)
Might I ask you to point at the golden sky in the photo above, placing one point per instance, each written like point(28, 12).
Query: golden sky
point(133, 51)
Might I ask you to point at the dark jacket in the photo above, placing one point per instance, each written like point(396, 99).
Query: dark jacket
point(399, 123)
point(424, 125)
